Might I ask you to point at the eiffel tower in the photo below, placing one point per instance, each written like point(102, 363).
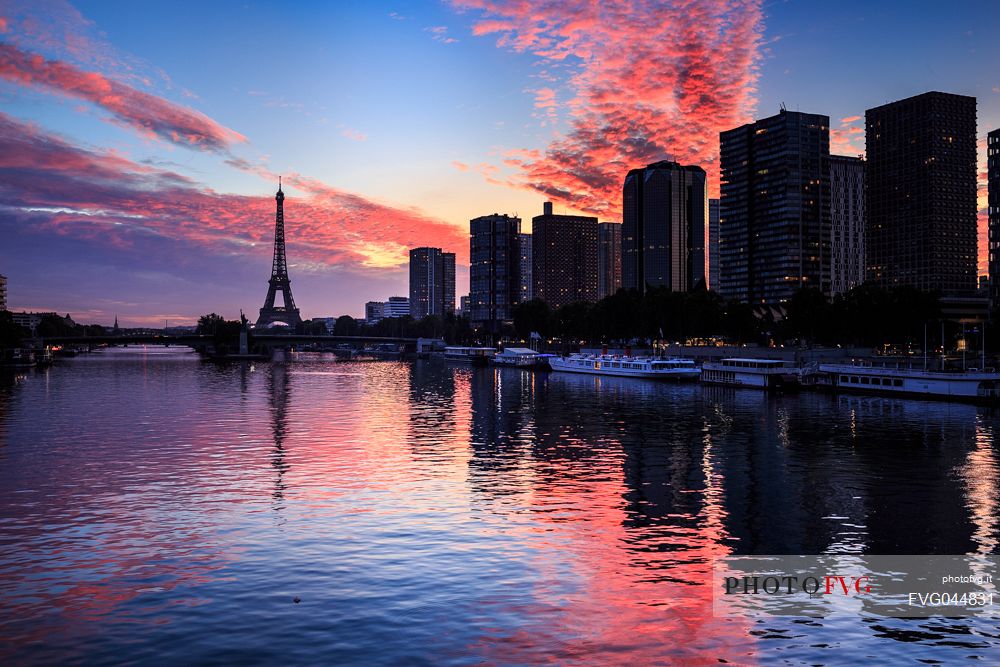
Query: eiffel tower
point(279, 282)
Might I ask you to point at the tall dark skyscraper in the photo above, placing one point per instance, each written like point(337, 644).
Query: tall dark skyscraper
point(664, 212)
point(993, 210)
point(494, 269)
point(774, 226)
point(922, 193)
point(432, 282)
point(713, 244)
point(609, 258)
point(848, 221)
point(564, 257)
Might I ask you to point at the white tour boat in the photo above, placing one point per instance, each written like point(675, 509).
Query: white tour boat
point(520, 357)
point(477, 356)
point(970, 385)
point(638, 367)
point(760, 373)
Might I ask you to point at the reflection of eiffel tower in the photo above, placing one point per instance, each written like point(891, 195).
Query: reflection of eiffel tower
point(286, 314)
point(279, 425)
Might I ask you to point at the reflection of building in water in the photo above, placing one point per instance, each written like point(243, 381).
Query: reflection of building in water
point(909, 452)
point(279, 385)
point(431, 412)
point(785, 490)
point(8, 385)
point(501, 429)
point(598, 474)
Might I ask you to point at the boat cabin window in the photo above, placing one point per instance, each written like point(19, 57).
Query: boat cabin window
point(897, 383)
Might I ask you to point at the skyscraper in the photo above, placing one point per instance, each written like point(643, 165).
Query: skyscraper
point(564, 257)
point(494, 269)
point(527, 288)
point(993, 211)
point(774, 222)
point(921, 178)
point(848, 221)
point(664, 209)
point(3, 292)
point(609, 258)
point(432, 282)
point(713, 244)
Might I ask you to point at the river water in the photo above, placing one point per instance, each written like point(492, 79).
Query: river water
point(158, 509)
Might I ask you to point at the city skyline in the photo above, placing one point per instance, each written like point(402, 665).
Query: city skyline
point(139, 182)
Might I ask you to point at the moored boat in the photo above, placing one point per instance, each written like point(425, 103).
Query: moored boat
point(638, 367)
point(773, 374)
point(520, 357)
point(477, 356)
point(972, 385)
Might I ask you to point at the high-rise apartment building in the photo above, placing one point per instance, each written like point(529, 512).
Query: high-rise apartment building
point(564, 257)
point(3, 292)
point(774, 224)
point(609, 258)
point(921, 193)
point(993, 211)
point(527, 288)
point(494, 269)
point(848, 223)
point(432, 282)
point(664, 211)
point(713, 244)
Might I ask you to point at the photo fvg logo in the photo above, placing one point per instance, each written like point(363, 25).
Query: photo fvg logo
point(834, 584)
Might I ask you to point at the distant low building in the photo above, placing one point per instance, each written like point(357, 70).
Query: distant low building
point(31, 321)
point(396, 306)
point(374, 311)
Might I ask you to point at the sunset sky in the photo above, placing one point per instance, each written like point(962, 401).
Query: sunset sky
point(140, 142)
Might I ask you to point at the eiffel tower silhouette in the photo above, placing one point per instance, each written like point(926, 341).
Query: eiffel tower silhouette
point(279, 282)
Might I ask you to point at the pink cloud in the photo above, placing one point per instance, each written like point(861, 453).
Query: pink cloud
point(439, 33)
point(649, 82)
point(101, 196)
point(354, 135)
point(848, 139)
point(461, 166)
point(151, 115)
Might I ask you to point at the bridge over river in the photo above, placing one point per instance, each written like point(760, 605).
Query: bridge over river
point(271, 341)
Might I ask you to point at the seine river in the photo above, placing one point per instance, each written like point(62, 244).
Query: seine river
point(157, 509)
